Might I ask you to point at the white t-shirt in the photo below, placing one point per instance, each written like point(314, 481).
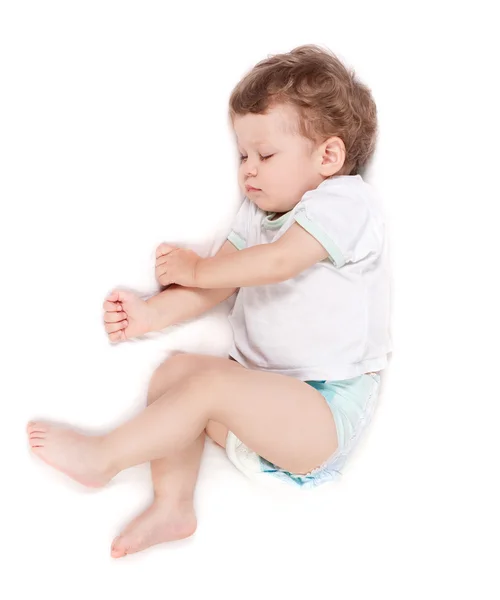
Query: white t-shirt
point(332, 320)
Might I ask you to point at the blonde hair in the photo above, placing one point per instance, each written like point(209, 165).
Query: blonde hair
point(329, 99)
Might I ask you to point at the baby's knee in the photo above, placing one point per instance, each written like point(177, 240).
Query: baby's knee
point(189, 369)
point(175, 369)
point(180, 363)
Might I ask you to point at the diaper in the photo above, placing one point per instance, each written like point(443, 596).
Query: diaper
point(352, 403)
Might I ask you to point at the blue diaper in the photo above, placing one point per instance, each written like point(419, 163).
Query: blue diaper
point(352, 402)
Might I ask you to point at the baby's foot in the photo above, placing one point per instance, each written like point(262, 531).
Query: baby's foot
point(163, 521)
point(76, 455)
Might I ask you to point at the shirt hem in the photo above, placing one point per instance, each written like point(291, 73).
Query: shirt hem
point(324, 373)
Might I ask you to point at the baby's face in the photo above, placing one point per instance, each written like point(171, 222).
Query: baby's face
point(277, 166)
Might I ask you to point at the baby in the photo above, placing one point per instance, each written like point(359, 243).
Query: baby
point(307, 258)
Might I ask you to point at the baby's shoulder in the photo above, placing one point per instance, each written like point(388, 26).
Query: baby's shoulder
point(348, 198)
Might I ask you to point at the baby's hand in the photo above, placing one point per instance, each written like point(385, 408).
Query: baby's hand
point(176, 265)
point(126, 316)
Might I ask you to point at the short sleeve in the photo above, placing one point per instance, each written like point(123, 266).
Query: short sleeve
point(238, 235)
point(340, 222)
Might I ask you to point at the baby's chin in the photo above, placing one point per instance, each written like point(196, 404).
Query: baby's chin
point(264, 202)
point(271, 207)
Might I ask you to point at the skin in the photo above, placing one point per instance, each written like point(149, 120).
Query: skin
point(282, 164)
point(281, 418)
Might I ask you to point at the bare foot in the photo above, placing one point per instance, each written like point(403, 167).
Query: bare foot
point(163, 521)
point(72, 453)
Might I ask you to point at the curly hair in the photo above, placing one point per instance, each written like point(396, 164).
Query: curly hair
point(329, 99)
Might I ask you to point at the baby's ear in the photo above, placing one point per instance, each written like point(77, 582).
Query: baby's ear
point(333, 156)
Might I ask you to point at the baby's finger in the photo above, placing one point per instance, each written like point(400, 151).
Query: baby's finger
point(114, 296)
point(115, 317)
point(119, 336)
point(161, 260)
point(159, 269)
point(113, 327)
point(112, 306)
point(163, 249)
point(164, 279)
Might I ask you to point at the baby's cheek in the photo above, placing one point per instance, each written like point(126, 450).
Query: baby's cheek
point(241, 180)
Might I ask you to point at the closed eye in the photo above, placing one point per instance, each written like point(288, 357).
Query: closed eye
point(243, 158)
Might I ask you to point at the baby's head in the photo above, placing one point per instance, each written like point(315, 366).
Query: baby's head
point(300, 118)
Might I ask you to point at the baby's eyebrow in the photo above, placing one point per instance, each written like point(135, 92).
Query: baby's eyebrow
point(259, 143)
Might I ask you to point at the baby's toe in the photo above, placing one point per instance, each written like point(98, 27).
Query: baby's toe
point(40, 434)
point(33, 426)
point(37, 434)
point(37, 443)
point(118, 548)
point(37, 440)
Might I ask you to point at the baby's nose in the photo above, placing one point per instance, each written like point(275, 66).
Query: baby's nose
point(250, 169)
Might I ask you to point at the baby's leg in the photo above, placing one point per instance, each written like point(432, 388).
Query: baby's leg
point(171, 515)
point(175, 475)
point(281, 418)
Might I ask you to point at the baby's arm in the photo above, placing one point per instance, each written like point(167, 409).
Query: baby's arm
point(294, 252)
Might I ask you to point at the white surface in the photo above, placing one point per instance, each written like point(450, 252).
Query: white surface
point(113, 138)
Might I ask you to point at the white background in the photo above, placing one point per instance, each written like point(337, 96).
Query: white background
point(113, 138)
